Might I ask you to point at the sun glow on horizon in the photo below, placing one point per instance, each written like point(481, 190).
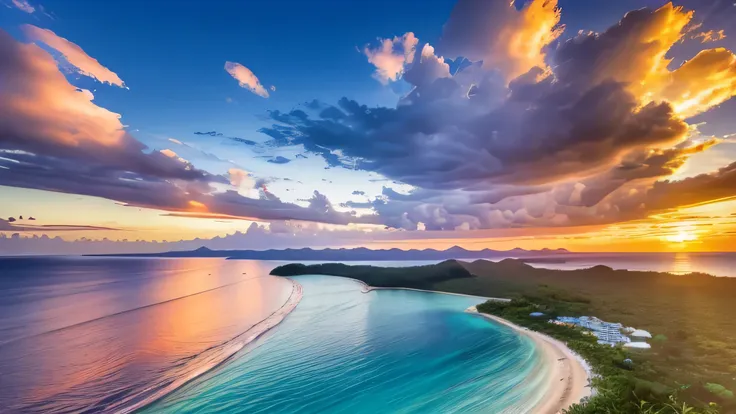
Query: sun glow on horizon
point(683, 235)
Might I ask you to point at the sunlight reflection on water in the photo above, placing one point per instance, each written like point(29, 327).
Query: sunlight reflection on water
point(682, 264)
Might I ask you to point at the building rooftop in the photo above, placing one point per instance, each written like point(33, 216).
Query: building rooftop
point(640, 333)
point(640, 345)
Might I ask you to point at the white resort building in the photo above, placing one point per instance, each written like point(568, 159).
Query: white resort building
point(608, 333)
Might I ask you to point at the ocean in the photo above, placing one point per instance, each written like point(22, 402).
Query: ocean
point(87, 334)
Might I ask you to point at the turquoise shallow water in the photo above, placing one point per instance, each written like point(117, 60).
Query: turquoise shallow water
point(342, 350)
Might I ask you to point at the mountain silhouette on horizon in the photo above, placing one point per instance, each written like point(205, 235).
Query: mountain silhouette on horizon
point(353, 254)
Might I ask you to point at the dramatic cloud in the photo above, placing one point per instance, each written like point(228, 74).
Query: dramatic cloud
point(694, 190)
point(634, 53)
point(391, 56)
point(76, 58)
point(24, 6)
point(246, 78)
point(508, 140)
point(505, 39)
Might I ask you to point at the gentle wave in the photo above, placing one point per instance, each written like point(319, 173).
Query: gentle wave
point(210, 358)
point(150, 305)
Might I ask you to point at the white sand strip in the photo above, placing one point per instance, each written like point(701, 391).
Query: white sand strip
point(569, 375)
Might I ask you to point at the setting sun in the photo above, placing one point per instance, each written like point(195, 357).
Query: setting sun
point(682, 236)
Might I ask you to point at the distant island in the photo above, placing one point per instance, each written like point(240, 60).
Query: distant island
point(691, 361)
point(356, 254)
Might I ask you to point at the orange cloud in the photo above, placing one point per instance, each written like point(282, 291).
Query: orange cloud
point(74, 55)
point(171, 154)
point(703, 82)
point(636, 55)
point(52, 110)
point(196, 206)
point(240, 178)
point(710, 36)
point(246, 78)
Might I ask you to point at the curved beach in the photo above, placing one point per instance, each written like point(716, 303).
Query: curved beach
point(569, 374)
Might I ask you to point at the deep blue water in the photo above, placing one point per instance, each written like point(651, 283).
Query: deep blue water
point(342, 350)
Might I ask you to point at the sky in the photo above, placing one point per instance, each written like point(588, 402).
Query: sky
point(147, 126)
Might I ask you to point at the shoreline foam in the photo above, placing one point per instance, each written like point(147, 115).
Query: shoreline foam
point(569, 376)
point(226, 350)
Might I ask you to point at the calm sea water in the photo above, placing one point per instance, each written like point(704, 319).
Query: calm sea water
point(97, 334)
point(386, 351)
point(716, 264)
point(104, 334)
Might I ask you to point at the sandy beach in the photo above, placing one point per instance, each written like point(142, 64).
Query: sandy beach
point(368, 288)
point(569, 374)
